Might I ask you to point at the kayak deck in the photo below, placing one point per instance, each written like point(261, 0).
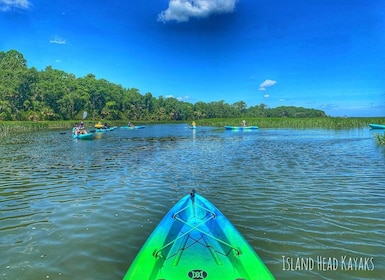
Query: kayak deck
point(196, 240)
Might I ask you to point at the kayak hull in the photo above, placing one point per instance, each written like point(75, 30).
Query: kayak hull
point(196, 241)
point(133, 127)
point(229, 127)
point(377, 126)
point(105, 129)
point(87, 136)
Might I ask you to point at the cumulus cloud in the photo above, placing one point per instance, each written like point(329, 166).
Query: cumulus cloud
point(58, 40)
point(9, 5)
point(267, 83)
point(180, 98)
point(183, 10)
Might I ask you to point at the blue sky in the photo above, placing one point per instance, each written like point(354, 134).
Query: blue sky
point(326, 54)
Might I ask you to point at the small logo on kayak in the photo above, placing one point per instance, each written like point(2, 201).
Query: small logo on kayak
point(197, 274)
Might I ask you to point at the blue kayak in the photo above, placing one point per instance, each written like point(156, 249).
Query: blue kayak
point(230, 127)
point(133, 127)
point(196, 241)
point(87, 136)
point(105, 129)
point(377, 126)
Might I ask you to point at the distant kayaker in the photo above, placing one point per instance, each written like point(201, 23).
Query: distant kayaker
point(193, 123)
point(75, 129)
point(105, 126)
point(130, 124)
point(82, 128)
point(99, 125)
point(244, 123)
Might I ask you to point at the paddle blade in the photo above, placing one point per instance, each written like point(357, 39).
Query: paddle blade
point(84, 115)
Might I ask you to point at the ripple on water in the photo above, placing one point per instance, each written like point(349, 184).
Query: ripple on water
point(82, 209)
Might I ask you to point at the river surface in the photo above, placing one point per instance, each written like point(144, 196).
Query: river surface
point(310, 202)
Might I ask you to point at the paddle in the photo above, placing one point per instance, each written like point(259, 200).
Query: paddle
point(84, 116)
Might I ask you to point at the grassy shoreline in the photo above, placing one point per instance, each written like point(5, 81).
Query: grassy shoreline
point(11, 127)
point(8, 127)
point(298, 123)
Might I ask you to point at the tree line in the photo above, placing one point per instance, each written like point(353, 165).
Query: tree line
point(51, 94)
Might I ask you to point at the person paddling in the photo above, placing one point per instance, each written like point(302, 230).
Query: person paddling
point(75, 129)
point(82, 128)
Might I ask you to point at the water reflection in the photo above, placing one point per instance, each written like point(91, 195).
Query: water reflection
point(82, 209)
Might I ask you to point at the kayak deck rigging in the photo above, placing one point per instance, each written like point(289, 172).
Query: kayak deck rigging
point(196, 241)
point(192, 234)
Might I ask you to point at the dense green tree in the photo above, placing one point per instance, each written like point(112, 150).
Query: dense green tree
point(239, 108)
point(14, 82)
point(13, 61)
point(51, 94)
point(200, 110)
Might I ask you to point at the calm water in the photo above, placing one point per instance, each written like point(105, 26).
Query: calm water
point(82, 209)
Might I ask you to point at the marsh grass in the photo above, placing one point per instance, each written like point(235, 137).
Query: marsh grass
point(7, 128)
point(302, 123)
point(299, 123)
point(380, 139)
point(10, 127)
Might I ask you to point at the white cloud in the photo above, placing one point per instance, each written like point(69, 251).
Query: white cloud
point(183, 10)
point(58, 40)
point(267, 83)
point(8, 5)
point(180, 98)
point(266, 95)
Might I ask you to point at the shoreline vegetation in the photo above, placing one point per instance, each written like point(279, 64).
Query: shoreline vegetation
point(27, 94)
point(380, 139)
point(294, 123)
point(8, 128)
point(53, 99)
